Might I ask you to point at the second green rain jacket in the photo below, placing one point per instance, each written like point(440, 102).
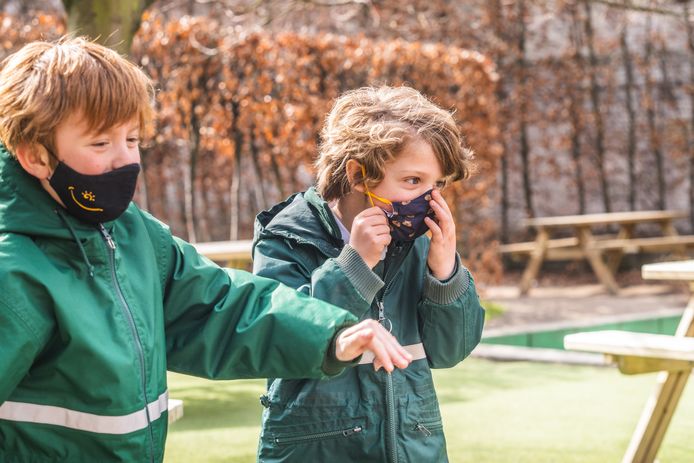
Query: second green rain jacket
point(363, 415)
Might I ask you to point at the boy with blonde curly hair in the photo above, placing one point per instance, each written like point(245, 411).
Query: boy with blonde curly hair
point(98, 299)
point(358, 240)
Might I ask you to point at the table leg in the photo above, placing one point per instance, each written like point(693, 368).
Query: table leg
point(668, 229)
point(660, 407)
point(535, 262)
point(614, 258)
point(594, 257)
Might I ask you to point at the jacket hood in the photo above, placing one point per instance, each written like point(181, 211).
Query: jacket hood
point(303, 218)
point(26, 208)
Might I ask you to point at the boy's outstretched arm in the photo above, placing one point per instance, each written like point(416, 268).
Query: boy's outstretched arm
point(227, 324)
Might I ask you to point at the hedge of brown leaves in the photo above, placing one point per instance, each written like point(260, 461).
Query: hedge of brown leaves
point(239, 117)
point(15, 32)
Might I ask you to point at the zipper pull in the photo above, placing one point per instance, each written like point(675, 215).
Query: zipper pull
point(387, 324)
point(423, 429)
point(349, 432)
point(109, 241)
point(265, 401)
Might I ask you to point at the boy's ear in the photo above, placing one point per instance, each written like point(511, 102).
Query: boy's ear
point(355, 176)
point(34, 159)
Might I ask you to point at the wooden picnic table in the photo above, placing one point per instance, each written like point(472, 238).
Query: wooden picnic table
point(228, 253)
point(637, 353)
point(603, 252)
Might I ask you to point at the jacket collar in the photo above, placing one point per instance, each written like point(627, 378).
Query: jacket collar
point(303, 218)
point(26, 208)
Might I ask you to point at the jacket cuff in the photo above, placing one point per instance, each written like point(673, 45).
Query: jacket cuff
point(331, 365)
point(447, 291)
point(366, 282)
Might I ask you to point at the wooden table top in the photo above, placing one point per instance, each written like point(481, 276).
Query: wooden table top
point(677, 270)
point(605, 218)
point(225, 250)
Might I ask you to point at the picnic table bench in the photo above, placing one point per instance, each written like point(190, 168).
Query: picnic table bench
point(603, 252)
point(175, 409)
point(636, 353)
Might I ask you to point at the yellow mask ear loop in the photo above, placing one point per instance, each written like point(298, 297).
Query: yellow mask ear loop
point(368, 193)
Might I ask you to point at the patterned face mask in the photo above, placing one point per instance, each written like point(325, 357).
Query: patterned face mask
point(406, 218)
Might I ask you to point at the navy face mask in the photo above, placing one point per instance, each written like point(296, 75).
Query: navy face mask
point(95, 198)
point(406, 218)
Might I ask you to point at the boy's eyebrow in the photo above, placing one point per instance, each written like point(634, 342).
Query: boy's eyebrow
point(419, 173)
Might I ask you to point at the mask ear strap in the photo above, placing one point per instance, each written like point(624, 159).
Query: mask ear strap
point(51, 154)
point(370, 195)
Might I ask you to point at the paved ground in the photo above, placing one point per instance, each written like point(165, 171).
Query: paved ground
point(558, 302)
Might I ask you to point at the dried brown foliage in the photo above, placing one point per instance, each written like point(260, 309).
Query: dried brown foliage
point(239, 117)
point(15, 32)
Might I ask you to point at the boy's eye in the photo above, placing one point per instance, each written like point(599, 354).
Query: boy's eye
point(134, 140)
point(440, 184)
point(100, 144)
point(413, 180)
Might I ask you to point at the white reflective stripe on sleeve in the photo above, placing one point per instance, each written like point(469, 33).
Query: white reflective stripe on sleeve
point(59, 416)
point(416, 350)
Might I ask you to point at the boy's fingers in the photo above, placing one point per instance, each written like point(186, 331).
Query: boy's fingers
point(434, 227)
point(372, 211)
point(381, 354)
point(438, 197)
point(398, 355)
point(382, 229)
point(442, 214)
point(353, 342)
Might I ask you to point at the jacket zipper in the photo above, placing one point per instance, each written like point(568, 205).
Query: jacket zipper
point(318, 436)
point(391, 437)
point(390, 420)
point(131, 321)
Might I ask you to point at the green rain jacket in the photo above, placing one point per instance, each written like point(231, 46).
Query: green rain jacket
point(363, 415)
point(92, 317)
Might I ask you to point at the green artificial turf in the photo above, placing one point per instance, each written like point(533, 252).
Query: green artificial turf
point(493, 412)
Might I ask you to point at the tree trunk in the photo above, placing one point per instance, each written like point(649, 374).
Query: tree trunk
point(189, 174)
point(650, 103)
point(576, 109)
point(631, 113)
point(235, 190)
point(110, 22)
point(495, 14)
point(595, 100)
point(523, 110)
point(690, 138)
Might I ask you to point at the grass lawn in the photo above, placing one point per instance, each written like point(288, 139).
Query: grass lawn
point(493, 412)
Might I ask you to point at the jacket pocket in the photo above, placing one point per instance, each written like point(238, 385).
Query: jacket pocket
point(294, 439)
point(428, 428)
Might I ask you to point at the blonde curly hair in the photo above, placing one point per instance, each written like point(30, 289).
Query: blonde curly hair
point(372, 125)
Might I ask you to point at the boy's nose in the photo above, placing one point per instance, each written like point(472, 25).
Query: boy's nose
point(125, 156)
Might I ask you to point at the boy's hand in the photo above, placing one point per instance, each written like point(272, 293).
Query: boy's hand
point(370, 335)
point(441, 258)
point(370, 235)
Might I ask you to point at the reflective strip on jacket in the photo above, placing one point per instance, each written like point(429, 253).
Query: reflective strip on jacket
point(87, 330)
